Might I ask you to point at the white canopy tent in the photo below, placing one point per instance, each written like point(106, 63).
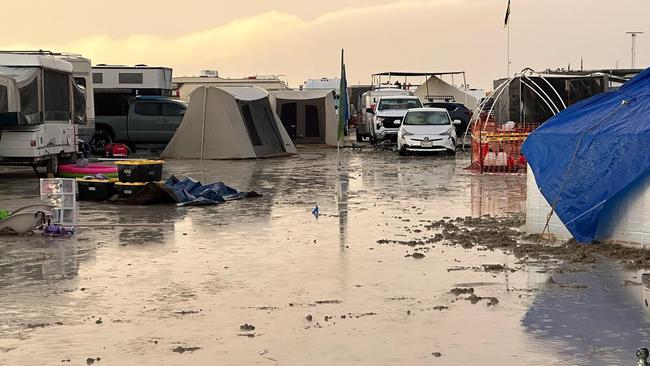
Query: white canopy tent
point(229, 123)
point(309, 116)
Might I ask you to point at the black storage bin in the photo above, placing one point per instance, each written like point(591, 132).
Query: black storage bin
point(139, 171)
point(95, 189)
point(126, 190)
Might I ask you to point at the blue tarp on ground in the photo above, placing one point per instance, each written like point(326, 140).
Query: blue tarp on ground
point(190, 192)
point(589, 153)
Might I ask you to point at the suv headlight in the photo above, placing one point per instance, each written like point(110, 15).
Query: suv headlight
point(379, 119)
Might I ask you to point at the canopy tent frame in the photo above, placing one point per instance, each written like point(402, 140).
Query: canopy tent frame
point(376, 79)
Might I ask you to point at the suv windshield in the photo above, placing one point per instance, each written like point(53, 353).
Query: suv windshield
point(406, 103)
point(426, 118)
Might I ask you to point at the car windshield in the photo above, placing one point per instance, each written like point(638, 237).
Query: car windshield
point(406, 103)
point(426, 118)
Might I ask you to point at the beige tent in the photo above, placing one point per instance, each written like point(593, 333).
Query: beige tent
point(229, 123)
point(309, 116)
point(436, 88)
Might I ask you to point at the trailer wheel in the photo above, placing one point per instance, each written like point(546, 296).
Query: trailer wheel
point(52, 166)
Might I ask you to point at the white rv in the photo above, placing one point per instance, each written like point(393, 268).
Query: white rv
point(40, 107)
point(184, 85)
point(82, 72)
point(151, 79)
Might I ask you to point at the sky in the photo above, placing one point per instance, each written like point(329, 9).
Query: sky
point(302, 39)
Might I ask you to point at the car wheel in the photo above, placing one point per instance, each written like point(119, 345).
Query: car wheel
point(451, 152)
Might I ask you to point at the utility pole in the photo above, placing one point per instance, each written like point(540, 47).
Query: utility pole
point(633, 35)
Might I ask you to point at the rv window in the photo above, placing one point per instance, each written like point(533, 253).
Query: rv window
point(4, 102)
point(98, 78)
point(79, 97)
point(148, 109)
point(80, 81)
point(56, 90)
point(130, 78)
point(250, 125)
point(172, 109)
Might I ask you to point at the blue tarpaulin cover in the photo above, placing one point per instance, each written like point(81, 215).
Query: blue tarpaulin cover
point(586, 155)
point(190, 192)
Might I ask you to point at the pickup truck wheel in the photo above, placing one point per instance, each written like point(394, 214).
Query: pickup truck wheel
point(52, 166)
point(99, 141)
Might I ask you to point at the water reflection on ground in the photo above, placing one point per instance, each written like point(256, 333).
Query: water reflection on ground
point(144, 281)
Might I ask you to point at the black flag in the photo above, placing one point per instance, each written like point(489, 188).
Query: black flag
point(507, 15)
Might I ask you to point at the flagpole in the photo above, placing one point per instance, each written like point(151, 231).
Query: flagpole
point(508, 48)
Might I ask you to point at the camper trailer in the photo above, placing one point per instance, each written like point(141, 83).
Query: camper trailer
point(82, 73)
point(40, 107)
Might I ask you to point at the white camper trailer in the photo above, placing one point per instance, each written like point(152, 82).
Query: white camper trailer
point(82, 73)
point(184, 86)
point(40, 107)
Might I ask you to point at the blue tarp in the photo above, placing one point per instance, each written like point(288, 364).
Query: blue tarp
point(586, 155)
point(190, 192)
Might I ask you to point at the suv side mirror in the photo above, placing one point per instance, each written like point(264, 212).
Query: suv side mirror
point(370, 110)
point(456, 122)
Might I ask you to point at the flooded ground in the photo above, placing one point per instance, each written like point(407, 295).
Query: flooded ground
point(263, 281)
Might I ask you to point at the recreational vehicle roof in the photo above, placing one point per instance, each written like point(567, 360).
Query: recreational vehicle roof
point(131, 77)
point(47, 61)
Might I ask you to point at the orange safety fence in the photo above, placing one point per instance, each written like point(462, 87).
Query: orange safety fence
point(496, 148)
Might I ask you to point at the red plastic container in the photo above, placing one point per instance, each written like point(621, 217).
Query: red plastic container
point(116, 151)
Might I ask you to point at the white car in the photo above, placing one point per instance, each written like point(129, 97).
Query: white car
point(427, 130)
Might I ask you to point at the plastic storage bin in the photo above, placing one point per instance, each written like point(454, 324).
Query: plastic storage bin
point(128, 189)
point(95, 189)
point(139, 171)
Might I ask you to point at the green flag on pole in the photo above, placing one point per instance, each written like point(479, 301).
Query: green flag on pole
point(344, 108)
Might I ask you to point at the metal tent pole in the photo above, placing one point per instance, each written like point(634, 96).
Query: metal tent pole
point(205, 99)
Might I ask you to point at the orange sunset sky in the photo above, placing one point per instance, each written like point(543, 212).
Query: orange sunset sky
point(302, 38)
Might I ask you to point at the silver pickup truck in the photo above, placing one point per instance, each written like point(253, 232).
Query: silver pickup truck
point(139, 120)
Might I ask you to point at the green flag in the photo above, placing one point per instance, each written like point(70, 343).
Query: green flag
point(344, 108)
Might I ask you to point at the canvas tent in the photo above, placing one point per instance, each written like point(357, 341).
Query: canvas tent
point(435, 88)
point(229, 123)
point(586, 157)
point(309, 116)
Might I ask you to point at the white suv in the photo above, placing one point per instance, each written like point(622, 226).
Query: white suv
point(388, 115)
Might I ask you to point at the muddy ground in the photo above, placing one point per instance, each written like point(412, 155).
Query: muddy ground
point(412, 261)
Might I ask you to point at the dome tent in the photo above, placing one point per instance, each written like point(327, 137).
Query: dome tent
point(229, 123)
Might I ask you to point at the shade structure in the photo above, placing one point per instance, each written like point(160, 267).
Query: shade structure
point(309, 116)
point(229, 123)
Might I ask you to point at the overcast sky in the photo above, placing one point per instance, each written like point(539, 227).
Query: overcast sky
point(302, 38)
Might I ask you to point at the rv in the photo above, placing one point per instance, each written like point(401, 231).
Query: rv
point(40, 107)
point(184, 86)
point(82, 73)
point(138, 79)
